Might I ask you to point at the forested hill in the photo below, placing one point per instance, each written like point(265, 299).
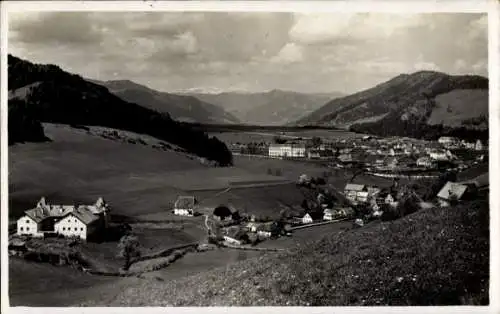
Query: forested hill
point(53, 95)
point(424, 103)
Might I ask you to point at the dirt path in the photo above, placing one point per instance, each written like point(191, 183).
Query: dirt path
point(318, 224)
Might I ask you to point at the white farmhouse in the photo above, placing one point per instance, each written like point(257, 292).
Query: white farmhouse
point(50, 219)
point(79, 223)
point(184, 206)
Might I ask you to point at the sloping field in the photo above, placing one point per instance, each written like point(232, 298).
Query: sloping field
point(261, 201)
point(25, 291)
point(77, 167)
point(458, 105)
point(135, 179)
point(432, 257)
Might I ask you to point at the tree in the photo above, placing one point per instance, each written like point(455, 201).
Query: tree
point(316, 141)
point(128, 249)
point(279, 140)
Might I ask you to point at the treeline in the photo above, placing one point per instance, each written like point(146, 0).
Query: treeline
point(417, 129)
point(23, 124)
point(68, 99)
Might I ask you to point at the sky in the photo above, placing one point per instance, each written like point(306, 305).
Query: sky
point(221, 51)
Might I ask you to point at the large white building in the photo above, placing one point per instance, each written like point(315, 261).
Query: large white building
point(287, 150)
point(67, 220)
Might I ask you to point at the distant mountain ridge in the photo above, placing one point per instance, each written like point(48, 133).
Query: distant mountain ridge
point(184, 108)
point(275, 107)
point(409, 105)
point(55, 96)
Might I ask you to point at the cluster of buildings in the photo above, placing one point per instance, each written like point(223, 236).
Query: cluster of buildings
point(79, 221)
point(377, 153)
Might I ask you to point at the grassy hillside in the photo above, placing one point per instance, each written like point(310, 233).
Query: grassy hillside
point(78, 167)
point(432, 257)
point(408, 104)
point(275, 107)
point(60, 97)
point(182, 108)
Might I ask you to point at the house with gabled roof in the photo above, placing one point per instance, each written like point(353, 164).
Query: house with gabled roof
point(184, 206)
point(352, 191)
point(307, 219)
point(49, 219)
point(451, 191)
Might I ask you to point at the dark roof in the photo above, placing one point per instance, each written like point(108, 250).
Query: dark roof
point(84, 215)
point(185, 202)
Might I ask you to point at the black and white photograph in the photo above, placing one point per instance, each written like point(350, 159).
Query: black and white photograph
point(221, 158)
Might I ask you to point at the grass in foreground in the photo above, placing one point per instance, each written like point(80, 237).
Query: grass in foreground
point(432, 257)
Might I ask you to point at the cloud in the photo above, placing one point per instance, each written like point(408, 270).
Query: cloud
point(255, 51)
point(54, 29)
point(290, 53)
point(324, 28)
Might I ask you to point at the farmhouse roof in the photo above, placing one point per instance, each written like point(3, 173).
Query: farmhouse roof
point(38, 214)
point(84, 215)
point(354, 187)
point(185, 202)
point(452, 188)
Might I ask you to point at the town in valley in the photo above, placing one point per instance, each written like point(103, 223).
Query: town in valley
point(247, 166)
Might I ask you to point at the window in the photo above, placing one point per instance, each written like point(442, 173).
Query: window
point(64, 228)
point(27, 228)
point(22, 229)
point(27, 221)
point(81, 229)
point(76, 228)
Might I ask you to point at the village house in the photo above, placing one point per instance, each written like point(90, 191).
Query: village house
point(345, 212)
point(479, 145)
point(352, 191)
point(448, 141)
point(425, 161)
point(442, 155)
point(327, 214)
point(67, 220)
point(450, 192)
point(184, 206)
point(264, 230)
point(307, 219)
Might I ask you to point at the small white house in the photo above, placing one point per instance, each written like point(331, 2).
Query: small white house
point(328, 214)
point(184, 206)
point(264, 234)
point(390, 199)
point(362, 196)
point(307, 219)
point(479, 145)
